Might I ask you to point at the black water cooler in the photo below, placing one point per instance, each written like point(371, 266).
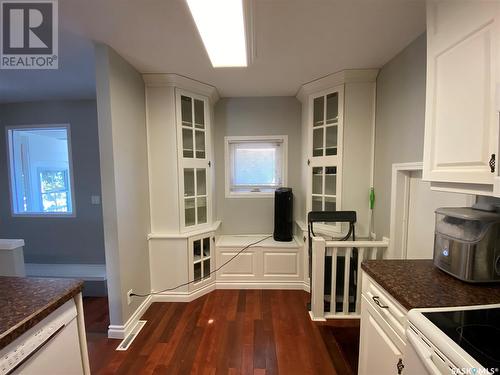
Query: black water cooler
point(283, 214)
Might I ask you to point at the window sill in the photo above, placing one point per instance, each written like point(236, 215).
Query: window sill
point(250, 195)
point(40, 215)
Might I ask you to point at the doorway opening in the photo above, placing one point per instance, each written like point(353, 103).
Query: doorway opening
point(413, 203)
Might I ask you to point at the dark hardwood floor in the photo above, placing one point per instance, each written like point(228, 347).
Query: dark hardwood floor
point(96, 313)
point(258, 332)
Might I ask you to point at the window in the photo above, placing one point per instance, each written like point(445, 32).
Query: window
point(40, 170)
point(255, 166)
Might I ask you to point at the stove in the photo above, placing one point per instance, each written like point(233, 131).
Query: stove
point(453, 340)
point(475, 331)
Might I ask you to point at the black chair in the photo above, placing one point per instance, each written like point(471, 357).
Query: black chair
point(335, 217)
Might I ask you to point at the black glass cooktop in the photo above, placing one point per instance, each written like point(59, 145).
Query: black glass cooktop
point(476, 331)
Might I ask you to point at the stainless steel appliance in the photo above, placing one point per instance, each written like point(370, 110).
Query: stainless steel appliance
point(467, 244)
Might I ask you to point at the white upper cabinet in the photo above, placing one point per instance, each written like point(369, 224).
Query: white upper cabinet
point(193, 134)
point(337, 132)
point(193, 126)
point(326, 125)
point(461, 121)
point(327, 115)
point(179, 116)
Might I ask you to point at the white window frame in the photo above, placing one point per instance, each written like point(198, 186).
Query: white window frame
point(10, 169)
point(283, 139)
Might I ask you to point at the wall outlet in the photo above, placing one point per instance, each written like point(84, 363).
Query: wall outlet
point(95, 199)
point(129, 297)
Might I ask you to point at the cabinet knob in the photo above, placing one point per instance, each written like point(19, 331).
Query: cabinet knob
point(492, 163)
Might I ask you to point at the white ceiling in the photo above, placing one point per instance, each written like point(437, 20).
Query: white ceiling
point(295, 41)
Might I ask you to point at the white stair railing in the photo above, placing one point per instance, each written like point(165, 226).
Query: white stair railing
point(340, 250)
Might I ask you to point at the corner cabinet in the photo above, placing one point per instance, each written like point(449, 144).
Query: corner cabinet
point(461, 121)
point(179, 117)
point(337, 135)
point(193, 139)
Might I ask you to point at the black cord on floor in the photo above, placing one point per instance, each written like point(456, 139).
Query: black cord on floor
point(199, 279)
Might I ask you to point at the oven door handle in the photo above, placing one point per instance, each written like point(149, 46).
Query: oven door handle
point(424, 353)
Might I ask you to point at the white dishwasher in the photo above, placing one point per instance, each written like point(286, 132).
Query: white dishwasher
point(51, 347)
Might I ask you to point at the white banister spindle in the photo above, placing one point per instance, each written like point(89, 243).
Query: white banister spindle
point(366, 250)
point(361, 255)
point(333, 289)
point(347, 274)
point(318, 279)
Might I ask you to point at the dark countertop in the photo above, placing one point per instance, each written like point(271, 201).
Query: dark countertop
point(26, 301)
point(419, 284)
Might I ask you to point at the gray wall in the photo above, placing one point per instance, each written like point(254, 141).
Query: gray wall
point(255, 116)
point(400, 120)
point(58, 240)
point(124, 170)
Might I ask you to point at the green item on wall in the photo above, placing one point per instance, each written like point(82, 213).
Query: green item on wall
point(372, 198)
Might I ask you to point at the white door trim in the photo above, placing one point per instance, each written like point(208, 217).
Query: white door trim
point(400, 200)
point(400, 178)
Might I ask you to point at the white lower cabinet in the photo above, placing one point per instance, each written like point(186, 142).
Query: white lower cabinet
point(188, 261)
point(382, 339)
point(201, 260)
point(378, 353)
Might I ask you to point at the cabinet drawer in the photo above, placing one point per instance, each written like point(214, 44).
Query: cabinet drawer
point(370, 312)
point(385, 305)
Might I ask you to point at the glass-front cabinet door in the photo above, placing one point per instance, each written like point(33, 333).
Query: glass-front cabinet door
point(324, 188)
point(195, 196)
point(194, 131)
point(325, 156)
point(201, 260)
point(194, 159)
point(325, 125)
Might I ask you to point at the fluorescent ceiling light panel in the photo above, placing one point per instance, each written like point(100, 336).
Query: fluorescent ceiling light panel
point(222, 29)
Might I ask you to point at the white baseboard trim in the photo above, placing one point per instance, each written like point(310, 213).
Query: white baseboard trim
point(306, 287)
point(287, 285)
point(321, 319)
point(122, 331)
point(183, 296)
point(191, 296)
point(341, 316)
